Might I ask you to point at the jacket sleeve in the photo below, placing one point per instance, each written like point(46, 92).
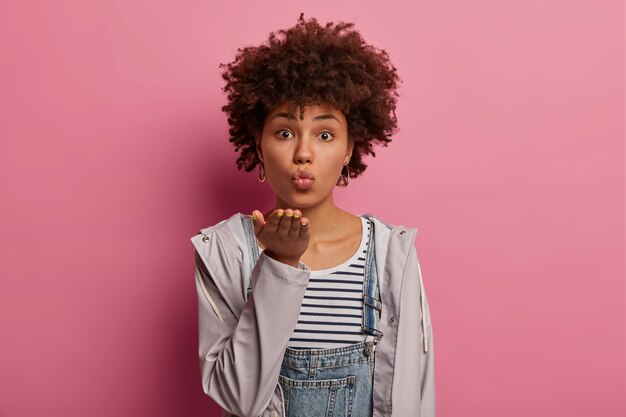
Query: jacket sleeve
point(240, 359)
point(427, 354)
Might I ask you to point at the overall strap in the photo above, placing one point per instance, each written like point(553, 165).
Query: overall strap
point(253, 247)
point(372, 305)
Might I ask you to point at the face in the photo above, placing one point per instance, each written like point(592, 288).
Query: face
point(318, 144)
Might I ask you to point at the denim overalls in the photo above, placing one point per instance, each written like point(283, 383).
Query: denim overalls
point(335, 382)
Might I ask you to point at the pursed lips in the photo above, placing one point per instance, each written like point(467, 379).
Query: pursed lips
point(303, 175)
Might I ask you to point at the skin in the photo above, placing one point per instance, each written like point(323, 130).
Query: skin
point(330, 235)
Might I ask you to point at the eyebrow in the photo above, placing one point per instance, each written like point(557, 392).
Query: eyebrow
point(292, 117)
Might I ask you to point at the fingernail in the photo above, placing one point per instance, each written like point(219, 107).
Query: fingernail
point(254, 215)
point(280, 214)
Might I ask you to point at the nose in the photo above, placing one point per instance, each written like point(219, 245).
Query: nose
point(303, 153)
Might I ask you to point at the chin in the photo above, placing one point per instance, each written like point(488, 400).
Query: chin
point(299, 203)
point(301, 200)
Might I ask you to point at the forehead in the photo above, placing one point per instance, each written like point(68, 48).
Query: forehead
point(311, 111)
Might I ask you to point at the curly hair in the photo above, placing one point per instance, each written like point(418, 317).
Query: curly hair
point(309, 63)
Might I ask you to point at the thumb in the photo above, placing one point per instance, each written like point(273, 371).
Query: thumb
point(258, 221)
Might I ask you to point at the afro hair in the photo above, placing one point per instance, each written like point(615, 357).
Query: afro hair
point(310, 63)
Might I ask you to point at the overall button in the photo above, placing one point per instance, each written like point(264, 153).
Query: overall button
point(205, 239)
point(392, 319)
point(273, 413)
point(367, 351)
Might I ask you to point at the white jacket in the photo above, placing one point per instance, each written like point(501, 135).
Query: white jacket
point(242, 341)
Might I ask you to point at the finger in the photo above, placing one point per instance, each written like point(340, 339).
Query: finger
point(304, 227)
point(285, 221)
point(295, 223)
point(274, 220)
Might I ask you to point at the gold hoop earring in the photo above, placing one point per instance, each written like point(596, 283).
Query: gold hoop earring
point(262, 175)
point(344, 179)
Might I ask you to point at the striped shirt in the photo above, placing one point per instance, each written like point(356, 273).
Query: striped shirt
point(332, 308)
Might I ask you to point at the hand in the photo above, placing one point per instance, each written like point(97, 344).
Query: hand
point(285, 238)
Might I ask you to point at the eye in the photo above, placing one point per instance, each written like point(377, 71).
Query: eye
point(327, 136)
point(281, 133)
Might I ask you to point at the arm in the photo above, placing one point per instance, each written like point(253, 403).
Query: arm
point(240, 360)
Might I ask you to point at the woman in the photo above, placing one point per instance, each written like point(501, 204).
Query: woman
point(306, 309)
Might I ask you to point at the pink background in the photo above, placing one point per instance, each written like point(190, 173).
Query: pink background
point(509, 160)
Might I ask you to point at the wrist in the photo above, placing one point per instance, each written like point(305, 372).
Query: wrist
point(292, 262)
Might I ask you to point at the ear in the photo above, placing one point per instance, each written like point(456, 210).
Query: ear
point(257, 140)
point(350, 149)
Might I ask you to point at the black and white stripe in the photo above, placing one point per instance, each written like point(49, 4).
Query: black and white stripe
point(332, 307)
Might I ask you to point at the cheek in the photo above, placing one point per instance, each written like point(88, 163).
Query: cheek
point(331, 161)
point(274, 154)
point(329, 171)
